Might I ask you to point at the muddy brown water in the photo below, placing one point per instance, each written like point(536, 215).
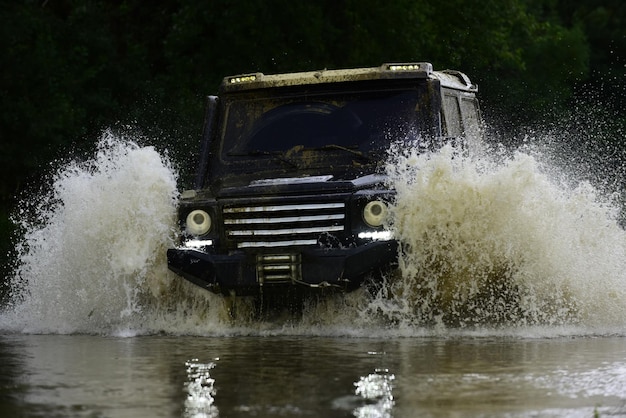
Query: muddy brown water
point(304, 376)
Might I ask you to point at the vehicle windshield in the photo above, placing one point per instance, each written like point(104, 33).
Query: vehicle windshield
point(355, 122)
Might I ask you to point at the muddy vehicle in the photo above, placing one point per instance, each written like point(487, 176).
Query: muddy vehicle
point(290, 194)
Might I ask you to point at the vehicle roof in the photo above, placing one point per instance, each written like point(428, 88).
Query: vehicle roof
point(417, 70)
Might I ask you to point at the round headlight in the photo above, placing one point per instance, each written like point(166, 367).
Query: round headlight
point(198, 222)
point(375, 213)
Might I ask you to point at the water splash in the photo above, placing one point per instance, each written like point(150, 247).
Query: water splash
point(500, 242)
point(486, 240)
point(91, 258)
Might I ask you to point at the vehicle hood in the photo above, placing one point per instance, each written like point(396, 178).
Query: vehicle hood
point(297, 185)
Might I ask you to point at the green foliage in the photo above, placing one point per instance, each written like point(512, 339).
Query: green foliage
point(75, 67)
point(603, 23)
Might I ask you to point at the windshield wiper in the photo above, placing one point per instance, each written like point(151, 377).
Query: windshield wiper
point(347, 149)
point(276, 155)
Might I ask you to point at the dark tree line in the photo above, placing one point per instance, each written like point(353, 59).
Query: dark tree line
point(71, 68)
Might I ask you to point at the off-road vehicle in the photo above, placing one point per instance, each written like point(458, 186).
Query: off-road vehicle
point(290, 192)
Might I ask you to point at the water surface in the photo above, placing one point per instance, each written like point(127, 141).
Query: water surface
point(299, 376)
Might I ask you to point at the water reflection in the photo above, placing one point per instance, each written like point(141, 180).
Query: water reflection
point(376, 389)
point(200, 388)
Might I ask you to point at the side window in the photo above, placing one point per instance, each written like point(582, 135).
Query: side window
point(451, 113)
point(471, 117)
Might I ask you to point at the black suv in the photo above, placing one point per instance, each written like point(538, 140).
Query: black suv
point(290, 191)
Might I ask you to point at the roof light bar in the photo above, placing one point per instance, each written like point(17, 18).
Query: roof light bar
point(242, 78)
point(409, 66)
point(404, 67)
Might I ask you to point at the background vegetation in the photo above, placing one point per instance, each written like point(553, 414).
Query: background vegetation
point(71, 68)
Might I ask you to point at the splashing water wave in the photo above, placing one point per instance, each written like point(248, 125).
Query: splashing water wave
point(92, 256)
point(484, 243)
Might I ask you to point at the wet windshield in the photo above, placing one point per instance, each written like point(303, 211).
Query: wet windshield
point(356, 123)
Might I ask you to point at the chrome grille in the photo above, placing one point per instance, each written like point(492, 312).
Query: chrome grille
point(278, 268)
point(282, 225)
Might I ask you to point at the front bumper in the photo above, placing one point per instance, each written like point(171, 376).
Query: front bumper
point(245, 273)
